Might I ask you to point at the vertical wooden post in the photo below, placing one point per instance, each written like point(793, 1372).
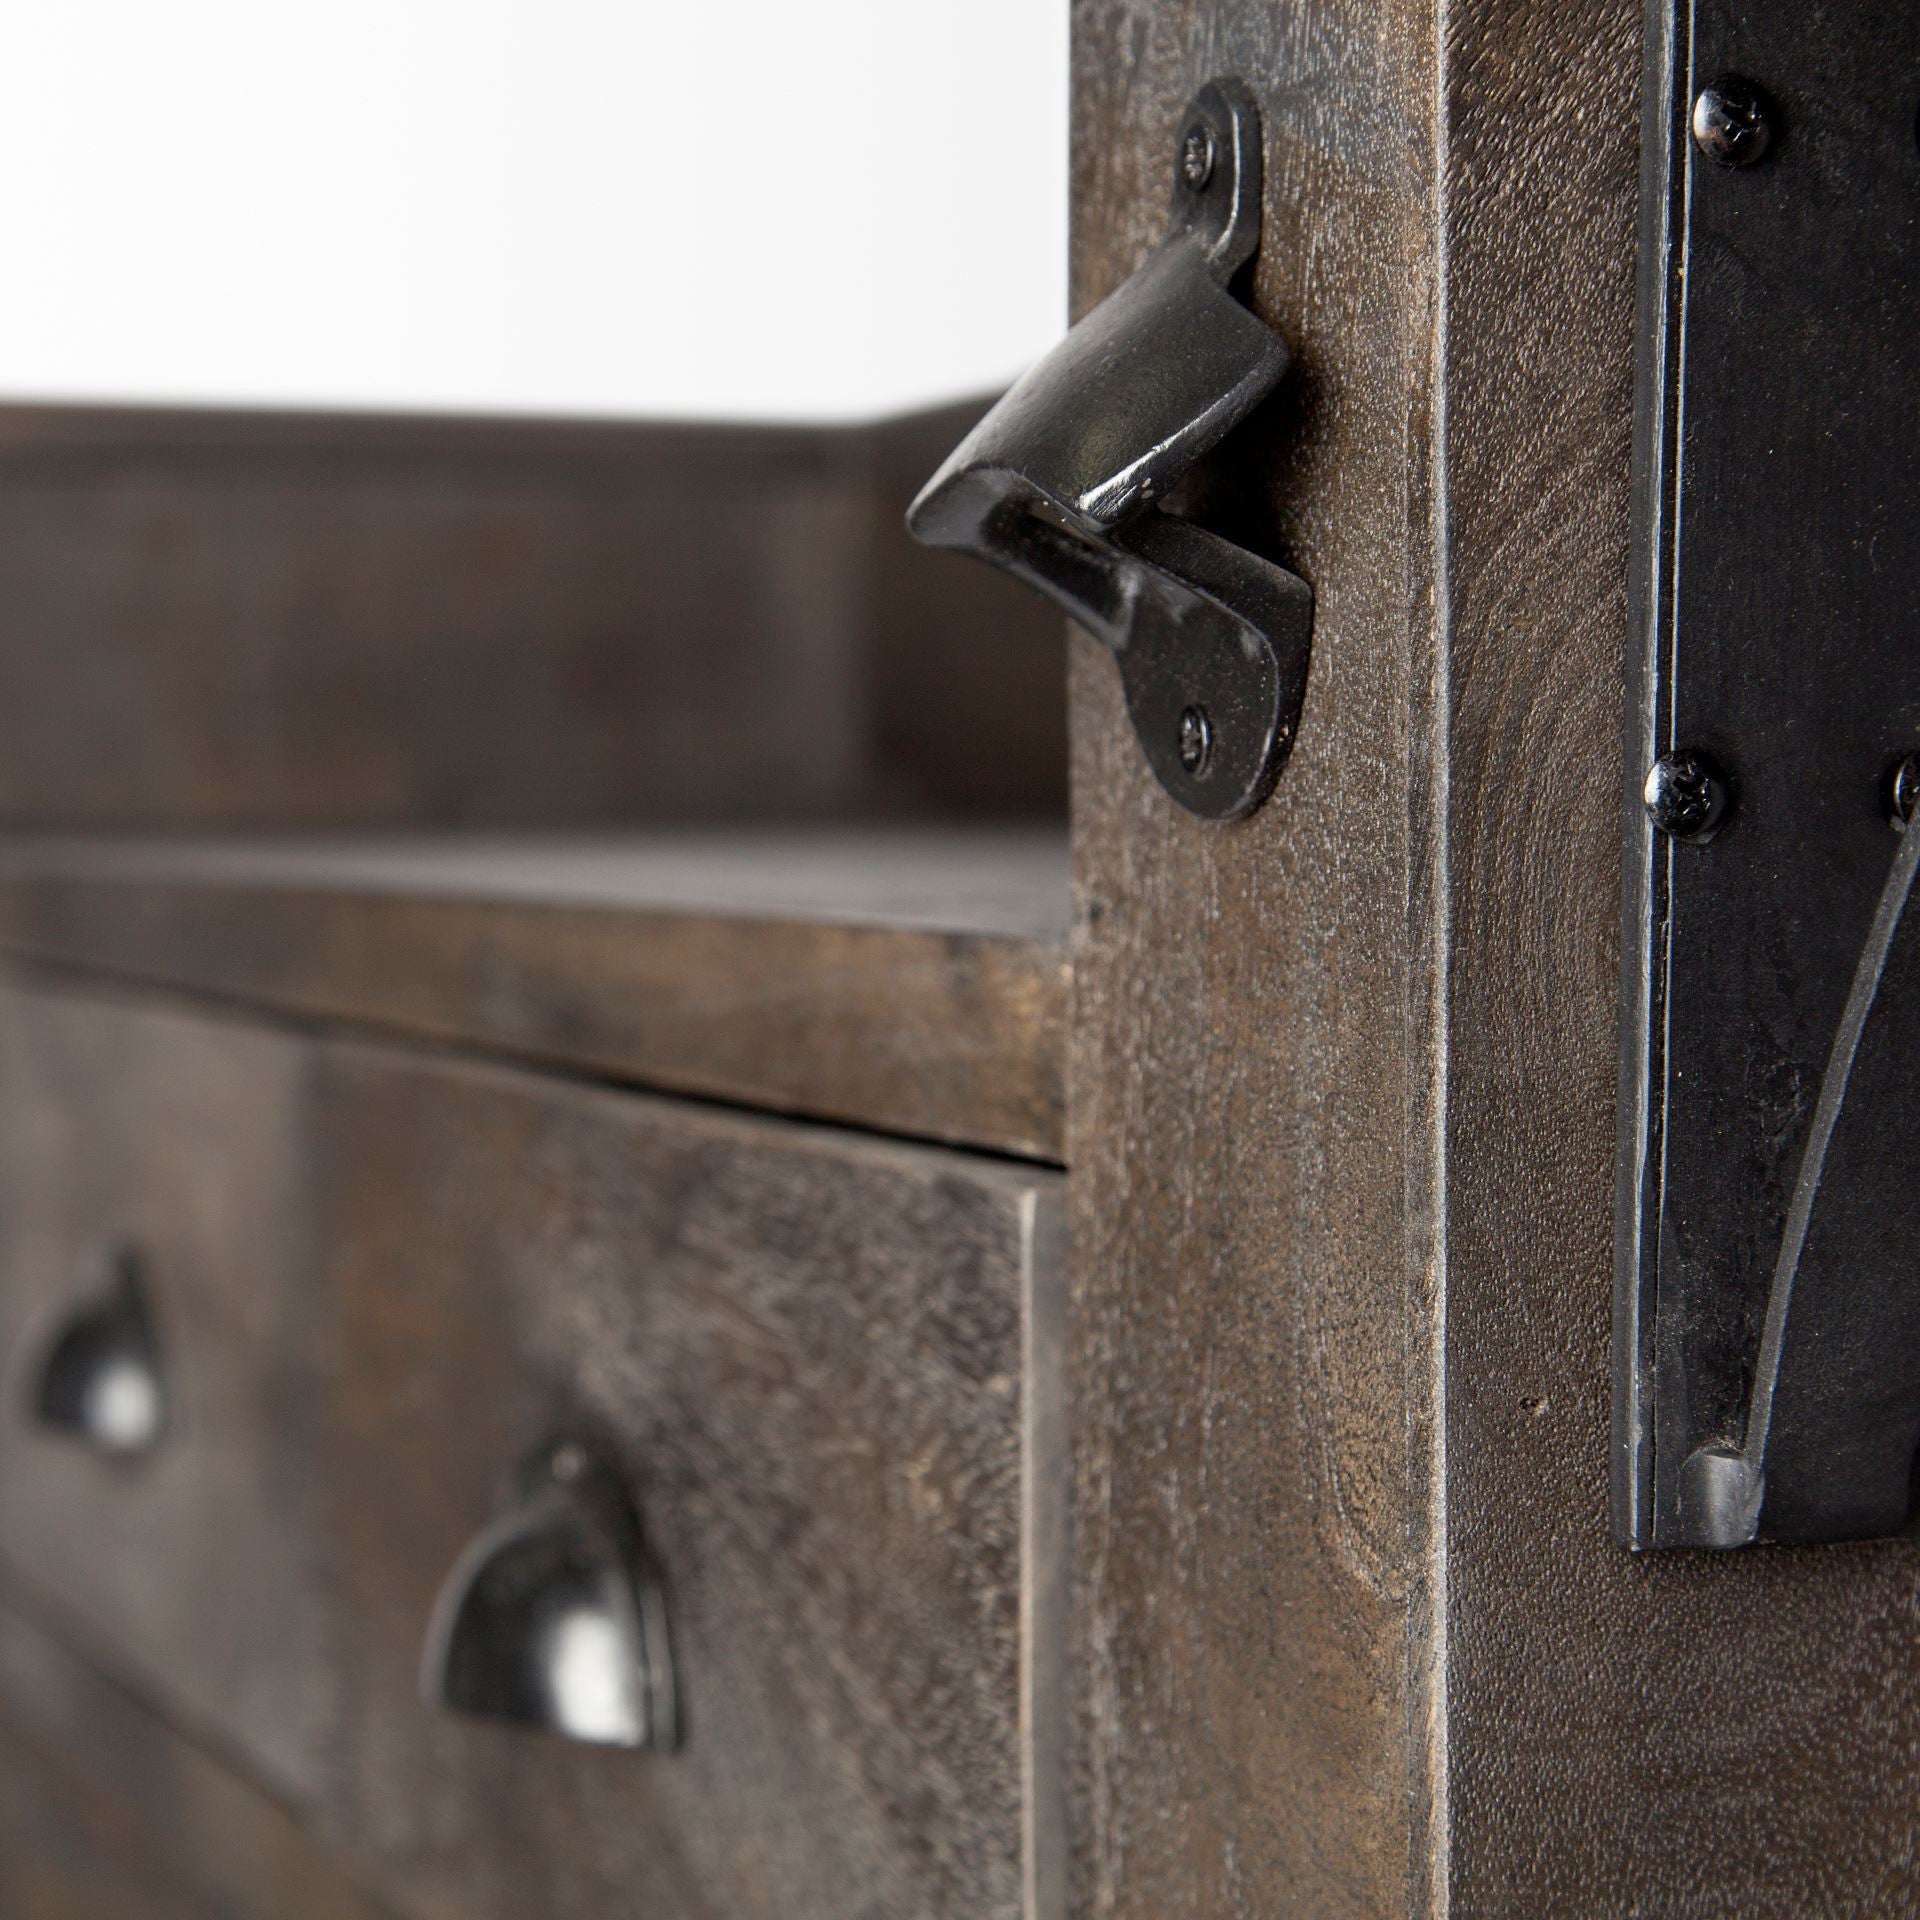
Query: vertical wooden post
point(1350, 1633)
point(1252, 1140)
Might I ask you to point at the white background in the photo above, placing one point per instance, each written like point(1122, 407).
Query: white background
point(793, 208)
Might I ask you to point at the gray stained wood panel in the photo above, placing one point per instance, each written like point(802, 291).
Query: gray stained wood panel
point(912, 982)
point(379, 1281)
point(1246, 1132)
point(1351, 1636)
point(324, 621)
point(109, 1814)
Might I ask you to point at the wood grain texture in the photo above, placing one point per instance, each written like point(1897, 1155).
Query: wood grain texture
point(910, 982)
point(1247, 1132)
point(68, 1852)
point(1682, 1733)
point(187, 1144)
point(108, 1814)
point(1353, 1635)
point(806, 1350)
point(261, 620)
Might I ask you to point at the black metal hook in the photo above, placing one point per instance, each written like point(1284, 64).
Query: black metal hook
point(1060, 485)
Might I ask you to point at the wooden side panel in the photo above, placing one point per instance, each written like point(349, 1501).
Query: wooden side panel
point(107, 1814)
point(1684, 1733)
point(221, 620)
point(805, 1350)
point(1247, 1130)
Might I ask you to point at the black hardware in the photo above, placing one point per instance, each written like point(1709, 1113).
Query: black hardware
point(1062, 485)
point(1903, 790)
point(1767, 1334)
point(1731, 122)
point(1196, 156)
point(98, 1376)
point(1686, 795)
point(553, 1617)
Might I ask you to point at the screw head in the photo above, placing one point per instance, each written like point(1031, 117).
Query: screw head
point(1196, 155)
point(1903, 792)
point(1686, 795)
point(1731, 124)
point(1196, 740)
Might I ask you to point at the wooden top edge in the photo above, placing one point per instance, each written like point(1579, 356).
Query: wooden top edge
point(40, 428)
point(1004, 881)
point(913, 984)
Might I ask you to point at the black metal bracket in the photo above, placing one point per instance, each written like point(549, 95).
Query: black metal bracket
point(1767, 1330)
point(1061, 485)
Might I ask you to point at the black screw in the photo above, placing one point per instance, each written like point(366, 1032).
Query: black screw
point(1686, 795)
point(1196, 156)
point(1196, 740)
point(1903, 791)
point(1731, 124)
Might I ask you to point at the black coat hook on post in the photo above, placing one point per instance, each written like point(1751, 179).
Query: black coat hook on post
point(1061, 485)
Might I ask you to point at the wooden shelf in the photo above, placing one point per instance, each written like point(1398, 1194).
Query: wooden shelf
point(915, 982)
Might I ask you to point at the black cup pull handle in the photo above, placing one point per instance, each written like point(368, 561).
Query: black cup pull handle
point(553, 1617)
point(99, 1378)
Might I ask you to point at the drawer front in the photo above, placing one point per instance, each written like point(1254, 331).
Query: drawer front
point(378, 1280)
point(180, 1139)
point(106, 1813)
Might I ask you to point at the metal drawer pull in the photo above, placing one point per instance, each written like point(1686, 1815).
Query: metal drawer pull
point(553, 1617)
point(99, 1376)
point(1061, 485)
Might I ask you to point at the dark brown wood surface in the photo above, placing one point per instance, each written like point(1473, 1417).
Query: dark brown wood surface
point(108, 1814)
point(262, 620)
point(68, 1852)
point(1352, 1637)
point(1250, 1148)
point(911, 982)
point(968, 692)
point(379, 1280)
point(1683, 1734)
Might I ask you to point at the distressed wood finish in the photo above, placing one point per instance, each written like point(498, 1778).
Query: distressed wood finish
point(261, 620)
point(1249, 1137)
point(806, 1349)
point(1352, 1635)
point(68, 1852)
point(916, 983)
point(109, 1814)
point(187, 1141)
point(1680, 1734)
